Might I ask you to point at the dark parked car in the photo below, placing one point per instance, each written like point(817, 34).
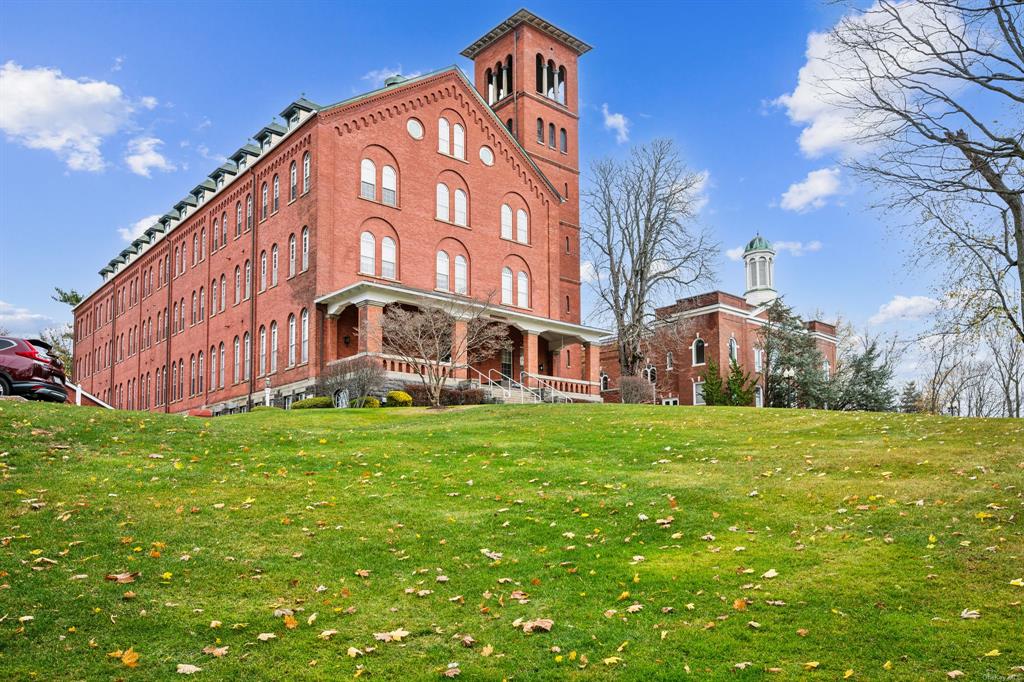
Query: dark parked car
point(27, 369)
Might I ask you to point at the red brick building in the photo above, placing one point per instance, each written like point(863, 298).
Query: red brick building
point(717, 326)
point(282, 260)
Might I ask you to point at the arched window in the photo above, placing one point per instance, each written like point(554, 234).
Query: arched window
point(444, 136)
point(442, 202)
point(248, 210)
point(195, 252)
point(698, 352)
point(522, 227)
point(460, 207)
point(293, 182)
point(650, 373)
point(201, 373)
point(826, 370)
point(238, 220)
point(389, 186)
point(238, 284)
point(669, 360)
point(540, 73)
point(734, 355)
point(273, 347)
point(174, 382)
point(213, 368)
point(214, 236)
point(506, 286)
point(223, 362)
point(238, 361)
point(758, 359)
point(223, 292)
point(262, 351)
point(305, 336)
point(273, 265)
point(388, 258)
point(291, 255)
point(563, 141)
point(193, 317)
point(551, 135)
point(248, 356)
point(291, 340)
point(459, 141)
point(461, 275)
point(202, 242)
point(202, 303)
point(248, 280)
point(306, 163)
point(368, 180)
point(540, 130)
point(604, 381)
point(523, 290)
point(263, 270)
point(367, 255)
point(560, 92)
point(441, 269)
point(506, 221)
point(762, 272)
point(264, 202)
point(305, 249)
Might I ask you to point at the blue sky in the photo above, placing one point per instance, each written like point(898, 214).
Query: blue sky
point(172, 87)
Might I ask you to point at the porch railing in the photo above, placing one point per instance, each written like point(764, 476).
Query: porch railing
point(506, 384)
point(565, 385)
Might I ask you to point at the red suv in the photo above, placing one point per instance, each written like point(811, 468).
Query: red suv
point(27, 369)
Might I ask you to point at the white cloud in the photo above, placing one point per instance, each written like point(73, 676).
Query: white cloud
point(22, 321)
point(142, 156)
point(699, 191)
point(588, 272)
point(617, 122)
point(118, 63)
point(904, 308)
point(832, 78)
point(793, 248)
point(149, 102)
point(135, 230)
point(378, 76)
point(813, 192)
point(41, 108)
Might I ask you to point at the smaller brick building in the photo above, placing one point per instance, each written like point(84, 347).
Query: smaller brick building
point(712, 326)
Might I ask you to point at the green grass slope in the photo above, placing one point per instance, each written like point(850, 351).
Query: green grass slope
point(659, 542)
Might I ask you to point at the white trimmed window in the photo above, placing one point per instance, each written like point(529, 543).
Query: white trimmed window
point(305, 172)
point(368, 180)
point(444, 144)
point(734, 350)
point(305, 336)
point(698, 393)
point(459, 140)
point(460, 208)
point(506, 286)
point(442, 265)
point(506, 221)
point(291, 255)
point(523, 290)
point(291, 340)
point(442, 202)
point(305, 249)
point(367, 254)
point(273, 266)
point(388, 258)
point(273, 347)
point(698, 352)
point(522, 227)
point(461, 275)
point(389, 186)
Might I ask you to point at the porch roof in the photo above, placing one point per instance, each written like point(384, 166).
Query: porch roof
point(383, 294)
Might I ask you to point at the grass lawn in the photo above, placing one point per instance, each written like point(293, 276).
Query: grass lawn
point(723, 543)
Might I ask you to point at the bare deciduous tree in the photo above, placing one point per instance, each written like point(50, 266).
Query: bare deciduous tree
point(433, 339)
point(930, 91)
point(942, 364)
point(641, 240)
point(1007, 367)
point(360, 377)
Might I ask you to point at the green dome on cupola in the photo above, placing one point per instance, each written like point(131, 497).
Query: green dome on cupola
point(758, 243)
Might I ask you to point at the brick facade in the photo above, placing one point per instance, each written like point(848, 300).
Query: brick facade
point(133, 350)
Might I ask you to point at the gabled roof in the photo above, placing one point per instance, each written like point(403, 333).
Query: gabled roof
point(302, 104)
point(245, 150)
point(524, 16)
point(476, 95)
point(271, 128)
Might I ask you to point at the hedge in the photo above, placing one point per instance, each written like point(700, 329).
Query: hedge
point(449, 396)
point(369, 402)
point(398, 399)
point(318, 402)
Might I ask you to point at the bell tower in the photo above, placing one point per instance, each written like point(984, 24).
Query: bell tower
point(759, 265)
point(526, 69)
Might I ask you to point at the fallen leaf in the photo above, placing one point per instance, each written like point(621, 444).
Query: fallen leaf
point(266, 636)
point(770, 573)
point(216, 651)
point(122, 578)
point(188, 669)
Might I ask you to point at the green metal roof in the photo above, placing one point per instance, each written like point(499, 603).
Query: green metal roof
point(301, 103)
point(758, 243)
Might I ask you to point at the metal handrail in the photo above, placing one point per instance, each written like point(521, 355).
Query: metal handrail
point(523, 389)
point(554, 391)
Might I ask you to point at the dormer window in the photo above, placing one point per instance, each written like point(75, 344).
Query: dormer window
point(220, 181)
point(184, 212)
point(294, 120)
point(241, 162)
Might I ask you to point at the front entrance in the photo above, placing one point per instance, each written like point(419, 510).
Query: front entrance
point(506, 362)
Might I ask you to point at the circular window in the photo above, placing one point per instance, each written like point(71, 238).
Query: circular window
point(487, 156)
point(415, 129)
